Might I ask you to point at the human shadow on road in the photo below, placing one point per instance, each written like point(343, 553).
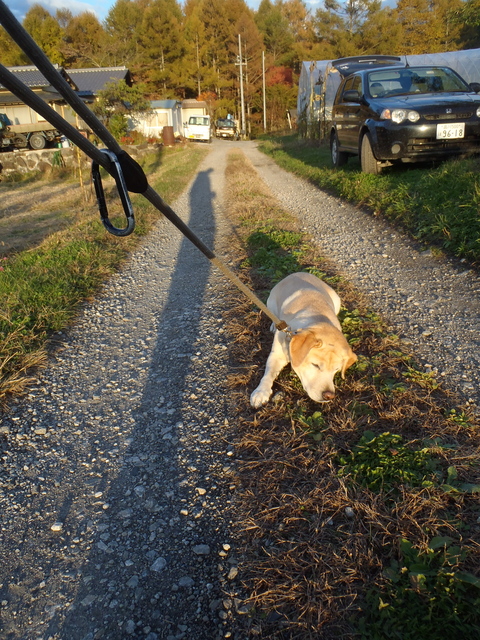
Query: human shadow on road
point(156, 515)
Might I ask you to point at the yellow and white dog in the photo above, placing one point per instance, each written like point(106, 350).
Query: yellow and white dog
point(315, 345)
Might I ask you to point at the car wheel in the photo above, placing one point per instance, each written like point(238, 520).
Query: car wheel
point(368, 161)
point(37, 141)
point(339, 158)
point(20, 141)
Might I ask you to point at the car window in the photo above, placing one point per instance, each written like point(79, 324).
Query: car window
point(357, 84)
point(198, 120)
point(414, 80)
point(347, 86)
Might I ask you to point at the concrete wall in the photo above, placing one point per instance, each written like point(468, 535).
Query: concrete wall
point(26, 161)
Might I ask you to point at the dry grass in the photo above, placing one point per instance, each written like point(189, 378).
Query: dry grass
point(316, 541)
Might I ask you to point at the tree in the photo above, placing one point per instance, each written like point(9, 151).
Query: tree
point(356, 27)
point(85, 42)
point(117, 101)
point(467, 17)
point(161, 48)
point(122, 24)
point(10, 53)
point(427, 25)
point(46, 32)
point(301, 26)
point(273, 25)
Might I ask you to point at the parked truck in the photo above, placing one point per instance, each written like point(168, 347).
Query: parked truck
point(198, 128)
point(24, 136)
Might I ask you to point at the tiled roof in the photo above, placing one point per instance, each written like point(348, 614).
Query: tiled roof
point(85, 81)
point(34, 79)
point(91, 81)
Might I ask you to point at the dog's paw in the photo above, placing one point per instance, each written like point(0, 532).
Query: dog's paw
point(260, 397)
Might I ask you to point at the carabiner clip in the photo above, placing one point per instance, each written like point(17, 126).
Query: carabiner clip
point(117, 174)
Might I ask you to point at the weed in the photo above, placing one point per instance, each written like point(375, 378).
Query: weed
point(383, 462)
point(314, 425)
point(319, 524)
point(460, 418)
point(274, 252)
point(425, 379)
point(426, 596)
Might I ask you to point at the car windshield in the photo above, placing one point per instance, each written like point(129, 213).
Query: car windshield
point(198, 120)
point(225, 123)
point(414, 80)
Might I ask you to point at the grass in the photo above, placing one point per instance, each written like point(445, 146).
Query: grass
point(41, 286)
point(436, 204)
point(358, 517)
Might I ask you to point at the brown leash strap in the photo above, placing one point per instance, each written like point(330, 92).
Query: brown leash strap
point(280, 324)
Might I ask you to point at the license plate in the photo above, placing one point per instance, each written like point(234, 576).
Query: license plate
point(450, 131)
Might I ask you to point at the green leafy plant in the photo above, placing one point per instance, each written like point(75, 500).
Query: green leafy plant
point(426, 596)
point(314, 425)
point(382, 462)
point(460, 418)
point(425, 379)
point(274, 252)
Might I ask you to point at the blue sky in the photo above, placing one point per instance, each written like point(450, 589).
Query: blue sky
point(99, 7)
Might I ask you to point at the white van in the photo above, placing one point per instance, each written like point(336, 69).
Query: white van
point(198, 128)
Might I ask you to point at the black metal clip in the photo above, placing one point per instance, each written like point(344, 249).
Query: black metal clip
point(117, 174)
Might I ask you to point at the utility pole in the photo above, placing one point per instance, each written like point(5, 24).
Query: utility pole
point(242, 103)
point(264, 97)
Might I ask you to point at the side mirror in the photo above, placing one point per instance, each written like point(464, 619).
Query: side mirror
point(352, 95)
point(475, 86)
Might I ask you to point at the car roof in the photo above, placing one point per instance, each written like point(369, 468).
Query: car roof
point(347, 66)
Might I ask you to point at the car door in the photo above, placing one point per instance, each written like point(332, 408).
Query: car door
point(352, 114)
point(340, 111)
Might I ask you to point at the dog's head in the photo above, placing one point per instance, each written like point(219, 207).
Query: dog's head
point(317, 354)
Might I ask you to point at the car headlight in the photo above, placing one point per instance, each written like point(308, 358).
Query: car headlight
point(478, 112)
point(400, 115)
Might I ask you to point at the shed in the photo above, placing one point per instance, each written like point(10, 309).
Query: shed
point(164, 113)
point(319, 81)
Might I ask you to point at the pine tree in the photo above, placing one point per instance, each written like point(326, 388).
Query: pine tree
point(46, 32)
point(85, 43)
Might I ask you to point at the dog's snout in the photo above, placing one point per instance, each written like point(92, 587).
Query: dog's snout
point(328, 395)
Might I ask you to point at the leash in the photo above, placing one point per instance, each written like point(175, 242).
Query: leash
point(127, 173)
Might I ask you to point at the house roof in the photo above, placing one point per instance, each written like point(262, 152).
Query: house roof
point(91, 81)
point(34, 79)
point(48, 96)
point(164, 104)
point(86, 82)
point(189, 104)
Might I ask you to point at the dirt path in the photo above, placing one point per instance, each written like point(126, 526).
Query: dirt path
point(116, 470)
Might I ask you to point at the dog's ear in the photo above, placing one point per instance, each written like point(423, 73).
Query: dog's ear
point(300, 345)
point(351, 359)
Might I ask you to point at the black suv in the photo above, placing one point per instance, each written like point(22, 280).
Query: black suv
point(404, 114)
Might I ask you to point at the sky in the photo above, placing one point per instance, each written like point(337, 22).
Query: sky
point(100, 7)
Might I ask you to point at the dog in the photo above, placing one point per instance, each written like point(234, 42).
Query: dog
point(314, 345)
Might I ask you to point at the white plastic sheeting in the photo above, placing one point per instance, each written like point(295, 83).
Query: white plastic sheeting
point(319, 81)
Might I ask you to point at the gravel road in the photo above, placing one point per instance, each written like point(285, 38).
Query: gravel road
point(117, 470)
